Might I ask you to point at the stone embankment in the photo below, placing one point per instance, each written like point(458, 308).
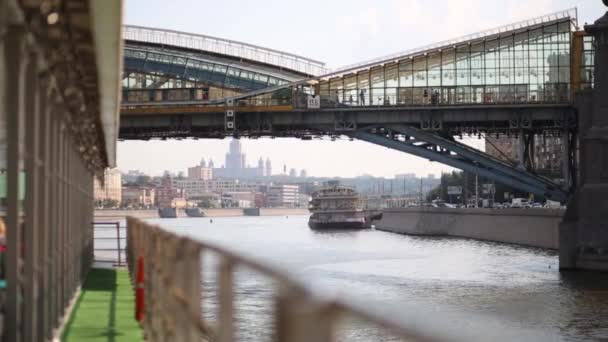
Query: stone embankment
point(529, 227)
point(113, 215)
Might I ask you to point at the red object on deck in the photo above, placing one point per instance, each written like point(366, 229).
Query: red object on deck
point(139, 290)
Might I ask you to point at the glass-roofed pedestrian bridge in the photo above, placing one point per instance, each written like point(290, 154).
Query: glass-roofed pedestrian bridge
point(541, 60)
point(514, 80)
point(526, 62)
point(167, 59)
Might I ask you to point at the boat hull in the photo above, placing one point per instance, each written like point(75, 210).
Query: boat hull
point(194, 212)
point(167, 213)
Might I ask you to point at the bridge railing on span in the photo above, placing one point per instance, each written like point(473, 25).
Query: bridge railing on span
point(359, 98)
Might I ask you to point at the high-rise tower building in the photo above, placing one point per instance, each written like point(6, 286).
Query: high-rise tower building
point(235, 159)
point(236, 164)
point(268, 167)
point(261, 171)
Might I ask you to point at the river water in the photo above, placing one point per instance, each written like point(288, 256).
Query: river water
point(480, 286)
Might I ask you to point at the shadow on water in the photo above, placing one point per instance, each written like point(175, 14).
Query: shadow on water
point(585, 281)
point(335, 232)
point(445, 239)
point(587, 304)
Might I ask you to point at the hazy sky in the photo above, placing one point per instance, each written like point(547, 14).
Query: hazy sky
point(336, 32)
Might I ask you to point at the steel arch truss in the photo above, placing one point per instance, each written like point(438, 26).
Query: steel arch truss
point(450, 152)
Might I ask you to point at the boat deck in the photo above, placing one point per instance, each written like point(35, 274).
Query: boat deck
point(105, 310)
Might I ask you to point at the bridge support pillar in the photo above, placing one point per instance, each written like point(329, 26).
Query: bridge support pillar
point(584, 230)
point(525, 150)
point(521, 150)
point(569, 141)
point(566, 164)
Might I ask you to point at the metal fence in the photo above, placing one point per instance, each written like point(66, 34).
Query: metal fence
point(175, 310)
point(109, 240)
point(51, 145)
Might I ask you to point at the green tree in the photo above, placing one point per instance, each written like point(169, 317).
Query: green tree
point(143, 180)
point(110, 203)
point(205, 203)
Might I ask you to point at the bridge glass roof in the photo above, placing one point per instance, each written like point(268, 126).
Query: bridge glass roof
point(188, 67)
point(570, 14)
point(226, 47)
point(524, 62)
point(528, 64)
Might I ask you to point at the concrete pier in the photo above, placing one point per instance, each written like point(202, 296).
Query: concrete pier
point(118, 214)
point(528, 227)
point(584, 231)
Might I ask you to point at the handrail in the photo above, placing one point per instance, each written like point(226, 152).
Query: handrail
point(224, 47)
point(107, 241)
point(173, 273)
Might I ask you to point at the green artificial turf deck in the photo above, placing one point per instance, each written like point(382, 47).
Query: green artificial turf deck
point(104, 311)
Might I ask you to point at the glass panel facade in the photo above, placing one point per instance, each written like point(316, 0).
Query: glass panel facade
point(197, 71)
point(531, 66)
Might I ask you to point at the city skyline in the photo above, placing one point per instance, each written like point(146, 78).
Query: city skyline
point(360, 31)
point(332, 155)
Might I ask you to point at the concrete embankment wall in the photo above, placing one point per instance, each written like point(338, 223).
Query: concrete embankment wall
point(283, 211)
point(529, 227)
point(113, 215)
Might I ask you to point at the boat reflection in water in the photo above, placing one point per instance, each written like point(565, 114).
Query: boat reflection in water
point(336, 206)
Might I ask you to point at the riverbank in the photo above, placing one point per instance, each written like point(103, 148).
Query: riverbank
point(528, 227)
point(111, 215)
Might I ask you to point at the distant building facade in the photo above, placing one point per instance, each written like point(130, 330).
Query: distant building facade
point(111, 188)
point(405, 176)
point(268, 171)
point(238, 199)
point(199, 188)
point(138, 197)
point(236, 165)
point(283, 195)
point(200, 172)
point(548, 158)
point(168, 195)
point(131, 176)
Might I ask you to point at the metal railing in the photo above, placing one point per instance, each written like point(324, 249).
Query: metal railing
point(224, 47)
point(108, 243)
point(554, 93)
point(177, 283)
